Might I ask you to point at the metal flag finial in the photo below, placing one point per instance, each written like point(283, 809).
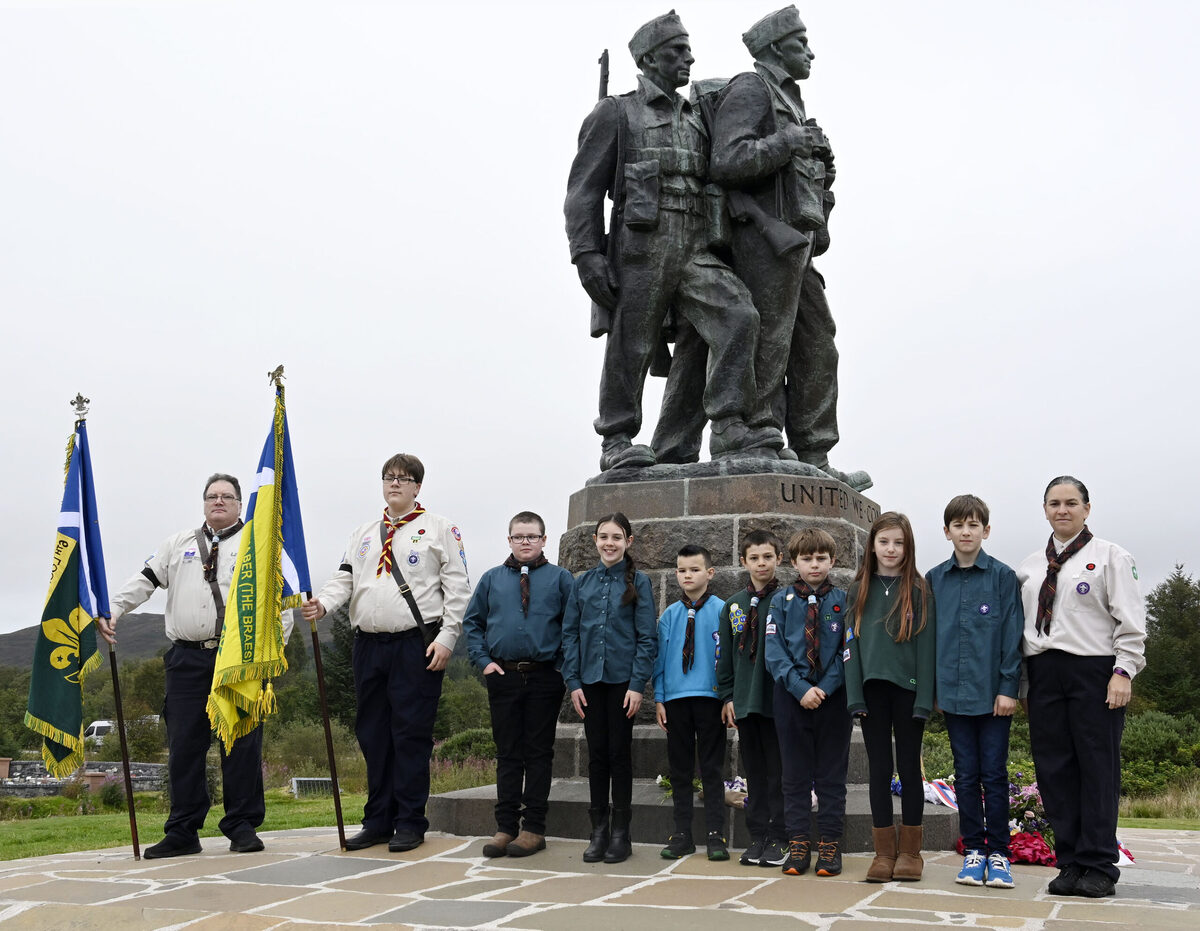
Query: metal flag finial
point(81, 405)
point(276, 377)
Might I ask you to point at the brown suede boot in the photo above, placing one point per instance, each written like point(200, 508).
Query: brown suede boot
point(526, 843)
point(909, 863)
point(498, 845)
point(880, 870)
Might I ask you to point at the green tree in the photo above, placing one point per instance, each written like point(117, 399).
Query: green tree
point(337, 657)
point(1171, 679)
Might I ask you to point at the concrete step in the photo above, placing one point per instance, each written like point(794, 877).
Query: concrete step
point(472, 812)
point(650, 753)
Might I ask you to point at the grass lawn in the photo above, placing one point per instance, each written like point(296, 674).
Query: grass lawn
point(63, 833)
point(1161, 824)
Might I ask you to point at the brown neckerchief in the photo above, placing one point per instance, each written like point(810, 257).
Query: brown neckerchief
point(1054, 562)
point(525, 568)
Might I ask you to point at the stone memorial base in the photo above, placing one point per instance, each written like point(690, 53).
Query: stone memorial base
point(716, 504)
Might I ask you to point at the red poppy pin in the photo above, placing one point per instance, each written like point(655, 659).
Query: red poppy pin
point(1091, 567)
point(837, 609)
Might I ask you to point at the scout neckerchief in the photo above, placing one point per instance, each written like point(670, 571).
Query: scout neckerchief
point(750, 629)
point(524, 568)
point(813, 596)
point(211, 562)
point(385, 555)
point(689, 636)
point(1054, 562)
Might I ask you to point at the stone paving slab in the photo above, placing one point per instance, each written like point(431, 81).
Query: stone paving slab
point(301, 881)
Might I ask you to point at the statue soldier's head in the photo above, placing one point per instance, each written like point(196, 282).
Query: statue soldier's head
point(780, 39)
point(662, 52)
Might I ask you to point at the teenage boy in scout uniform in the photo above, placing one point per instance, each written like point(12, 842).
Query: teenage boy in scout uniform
point(405, 577)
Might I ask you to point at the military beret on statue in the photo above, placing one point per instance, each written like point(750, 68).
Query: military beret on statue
point(654, 33)
point(772, 28)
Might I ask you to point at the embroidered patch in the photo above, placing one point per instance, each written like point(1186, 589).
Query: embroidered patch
point(846, 655)
point(790, 596)
point(985, 609)
point(363, 547)
point(912, 681)
point(1091, 567)
point(413, 558)
point(849, 634)
point(833, 627)
point(829, 617)
point(454, 530)
point(1083, 588)
point(737, 619)
point(770, 627)
point(415, 539)
point(1135, 572)
point(187, 554)
point(716, 637)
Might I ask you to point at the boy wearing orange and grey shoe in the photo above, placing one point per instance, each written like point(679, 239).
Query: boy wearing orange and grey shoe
point(804, 638)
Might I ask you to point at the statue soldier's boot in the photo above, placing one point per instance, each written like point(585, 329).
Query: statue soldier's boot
point(859, 480)
point(599, 841)
point(884, 864)
point(909, 864)
point(619, 845)
point(731, 437)
point(618, 451)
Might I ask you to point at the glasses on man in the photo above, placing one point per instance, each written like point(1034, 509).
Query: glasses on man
point(222, 498)
point(525, 538)
point(399, 480)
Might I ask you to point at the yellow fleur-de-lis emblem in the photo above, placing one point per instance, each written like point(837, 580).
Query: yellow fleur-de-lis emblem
point(56, 630)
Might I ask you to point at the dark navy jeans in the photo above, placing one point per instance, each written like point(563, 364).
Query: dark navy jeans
point(980, 746)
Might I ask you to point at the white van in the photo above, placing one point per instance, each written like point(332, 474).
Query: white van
point(98, 730)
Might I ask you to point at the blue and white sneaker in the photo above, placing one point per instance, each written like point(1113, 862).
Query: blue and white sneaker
point(972, 870)
point(999, 876)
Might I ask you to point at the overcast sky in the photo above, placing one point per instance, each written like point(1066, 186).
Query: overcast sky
point(371, 194)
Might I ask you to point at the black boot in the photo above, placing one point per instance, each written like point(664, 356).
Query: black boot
point(599, 843)
point(619, 846)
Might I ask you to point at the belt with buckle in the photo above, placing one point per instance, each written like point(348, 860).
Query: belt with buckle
point(523, 665)
point(210, 644)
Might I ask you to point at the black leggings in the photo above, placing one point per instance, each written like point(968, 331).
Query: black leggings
point(889, 709)
point(609, 735)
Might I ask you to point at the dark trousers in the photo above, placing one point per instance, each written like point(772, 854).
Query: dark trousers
point(758, 747)
point(610, 744)
point(524, 709)
point(980, 746)
point(815, 747)
point(1076, 741)
point(889, 712)
point(189, 675)
point(695, 733)
point(397, 704)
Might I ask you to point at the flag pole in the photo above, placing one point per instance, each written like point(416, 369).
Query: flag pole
point(337, 798)
point(112, 657)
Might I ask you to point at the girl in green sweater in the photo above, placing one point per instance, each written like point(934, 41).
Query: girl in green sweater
point(889, 659)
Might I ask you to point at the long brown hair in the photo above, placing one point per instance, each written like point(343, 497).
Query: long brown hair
point(910, 578)
point(631, 595)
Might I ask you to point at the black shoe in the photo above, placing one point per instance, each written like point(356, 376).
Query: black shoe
point(171, 846)
point(598, 845)
point(1067, 880)
point(799, 857)
point(775, 853)
point(1094, 885)
point(620, 845)
point(404, 840)
point(245, 842)
point(718, 847)
point(679, 845)
point(829, 857)
point(752, 854)
point(365, 838)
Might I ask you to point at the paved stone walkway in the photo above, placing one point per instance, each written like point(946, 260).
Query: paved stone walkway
point(302, 881)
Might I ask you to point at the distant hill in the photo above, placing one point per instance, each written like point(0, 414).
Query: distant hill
point(139, 637)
